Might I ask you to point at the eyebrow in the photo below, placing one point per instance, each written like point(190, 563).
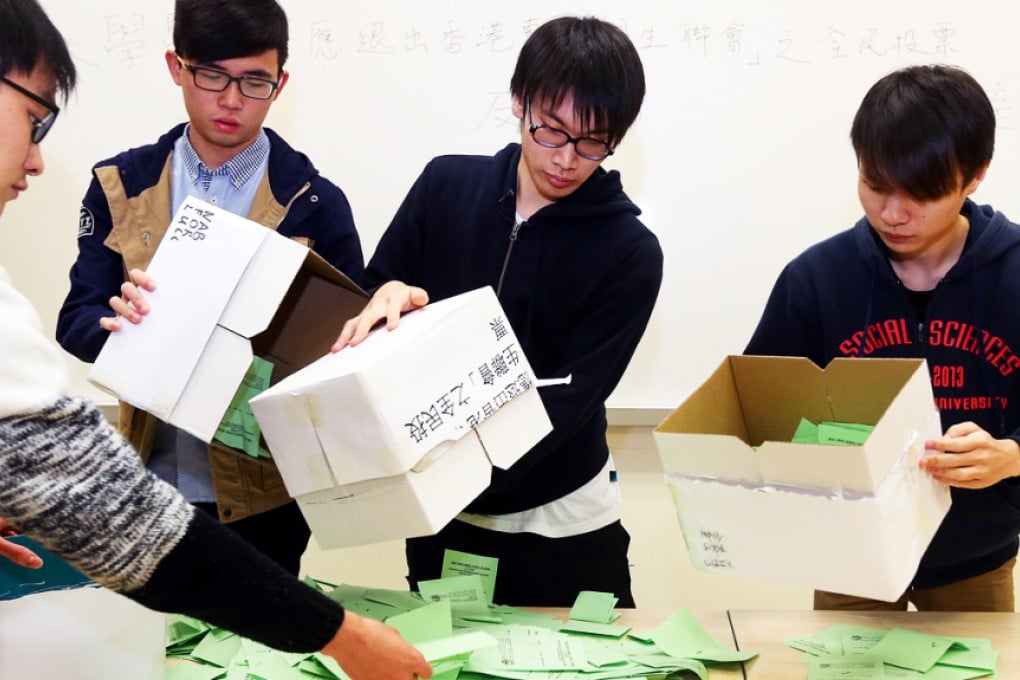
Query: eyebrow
point(563, 123)
point(254, 73)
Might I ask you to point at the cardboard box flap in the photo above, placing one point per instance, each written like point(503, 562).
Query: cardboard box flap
point(862, 391)
point(518, 427)
point(162, 351)
point(214, 380)
point(297, 336)
point(707, 435)
point(263, 285)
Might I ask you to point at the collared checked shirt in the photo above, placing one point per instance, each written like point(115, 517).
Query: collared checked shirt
point(231, 186)
point(178, 457)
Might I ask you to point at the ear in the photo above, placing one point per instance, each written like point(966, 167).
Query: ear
point(284, 77)
point(974, 183)
point(517, 107)
point(173, 66)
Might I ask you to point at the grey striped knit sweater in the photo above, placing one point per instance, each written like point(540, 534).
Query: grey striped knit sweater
point(69, 480)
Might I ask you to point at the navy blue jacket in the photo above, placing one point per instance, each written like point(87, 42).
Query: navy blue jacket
point(841, 298)
point(311, 208)
point(581, 279)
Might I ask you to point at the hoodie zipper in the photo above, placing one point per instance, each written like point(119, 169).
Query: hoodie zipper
point(509, 249)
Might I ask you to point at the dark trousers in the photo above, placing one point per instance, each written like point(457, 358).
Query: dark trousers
point(533, 571)
point(280, 534)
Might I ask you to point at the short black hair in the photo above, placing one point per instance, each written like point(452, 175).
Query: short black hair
point(212, 30)
point(923, 129)
point(28, 39)
point(589, 59)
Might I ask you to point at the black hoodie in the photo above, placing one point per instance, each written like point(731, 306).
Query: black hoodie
point(841, 298)
point(577, 281)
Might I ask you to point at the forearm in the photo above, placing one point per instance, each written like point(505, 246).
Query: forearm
point(215, 576)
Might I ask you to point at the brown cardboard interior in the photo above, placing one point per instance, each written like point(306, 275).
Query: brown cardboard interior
point(776, 392)
point(714, 408)
point(309, 318)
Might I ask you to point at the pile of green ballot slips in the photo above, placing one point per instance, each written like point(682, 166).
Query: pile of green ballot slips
point(828, 432)
point(844, 651)
point(469, 638)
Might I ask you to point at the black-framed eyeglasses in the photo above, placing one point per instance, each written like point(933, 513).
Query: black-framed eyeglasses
point(214, 80)
point(554, 138)
point(40, 126)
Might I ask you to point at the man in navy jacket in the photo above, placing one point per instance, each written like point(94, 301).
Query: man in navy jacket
point(927, 273)
point(577, 274)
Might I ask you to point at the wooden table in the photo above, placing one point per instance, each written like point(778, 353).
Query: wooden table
point(764, 632)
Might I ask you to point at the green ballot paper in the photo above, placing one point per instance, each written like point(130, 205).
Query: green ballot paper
point(239, 429)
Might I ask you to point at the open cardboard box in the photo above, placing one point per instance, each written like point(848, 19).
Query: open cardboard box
point(850, 519)
point(226, 288)
point(393, 437)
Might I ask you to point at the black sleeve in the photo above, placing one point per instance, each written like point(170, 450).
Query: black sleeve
point(215, 576)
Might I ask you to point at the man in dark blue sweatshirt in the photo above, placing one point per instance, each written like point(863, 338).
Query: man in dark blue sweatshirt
point(927, 273)
point(577, 274)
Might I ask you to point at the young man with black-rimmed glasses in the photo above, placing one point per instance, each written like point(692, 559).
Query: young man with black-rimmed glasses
point(228, 60)
point(577, 274)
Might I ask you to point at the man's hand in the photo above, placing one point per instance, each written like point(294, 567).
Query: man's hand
point(970, 458)
point(389, 302)
point(130, 304)
point(370, 650)
point(18, 554)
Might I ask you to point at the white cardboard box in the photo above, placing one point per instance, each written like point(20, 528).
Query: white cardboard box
point(226, 288)
point(393, 437)
point(849, 519)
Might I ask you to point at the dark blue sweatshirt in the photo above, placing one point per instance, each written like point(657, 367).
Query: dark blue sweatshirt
point(841, 298)
point(579, 280)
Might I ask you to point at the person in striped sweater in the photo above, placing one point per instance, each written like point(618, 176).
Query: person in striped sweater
point(71, 482)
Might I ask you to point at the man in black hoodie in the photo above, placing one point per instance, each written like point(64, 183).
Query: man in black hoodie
point(927, 273)
point(577, 275)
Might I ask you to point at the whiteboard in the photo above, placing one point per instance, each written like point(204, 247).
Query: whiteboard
point(740, 158)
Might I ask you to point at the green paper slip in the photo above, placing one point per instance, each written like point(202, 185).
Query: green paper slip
point(682, 636)
point(587, 628)
point(217, 652)
point(856, 667)
point(525, 648)
point(190, 672)
point(431, 622)
point(828, 641)
point(844, 434)
point(239, 429)
point(593, 606)
point(910, 649)
point(456, 563)
point(399, 599)
point(455, 646)
point(466, 593)
point(977, 654)
point(447, 671)
point(806, 432)
point(859, 639)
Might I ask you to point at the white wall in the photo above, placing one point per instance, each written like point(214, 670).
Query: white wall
point(740, 158)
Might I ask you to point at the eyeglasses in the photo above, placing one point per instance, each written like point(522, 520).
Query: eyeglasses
point(554, 138)
point(40, 126)
point(217, 81)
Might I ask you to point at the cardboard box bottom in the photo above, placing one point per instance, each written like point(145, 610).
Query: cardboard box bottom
point(415, 503)
point(868, 546)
